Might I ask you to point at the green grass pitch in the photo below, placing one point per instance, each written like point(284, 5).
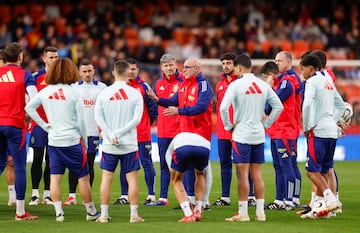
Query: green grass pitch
point(164, 219)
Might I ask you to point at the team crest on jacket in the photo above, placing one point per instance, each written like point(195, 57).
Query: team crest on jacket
point(193, 90)
point(161, 88)
point(221, 87)
point(191, 98)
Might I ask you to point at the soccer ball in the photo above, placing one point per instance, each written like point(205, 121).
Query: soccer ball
point(348, 113)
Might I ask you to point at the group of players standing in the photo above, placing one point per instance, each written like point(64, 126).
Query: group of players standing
point(75, 107)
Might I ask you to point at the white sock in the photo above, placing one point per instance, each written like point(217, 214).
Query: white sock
point(329, 196)
point(208, 182)
point(20, 207)
point(185, 206)
point(125, 196)
point(12, 192)
point(46, 193)
point(134, 210)
point(191, 199)
point(243, 208)
point(35, 192)
point(152, 197)
point(58, 208)
point(104, 210)
point(227, 199)
point(260, 206)
point(90, 208)
point(198, 205)
point(73, 195)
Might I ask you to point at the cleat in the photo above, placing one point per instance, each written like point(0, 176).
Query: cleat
point(103, 219)
point(197, 215)
point(221, 202)
point(26, 216)
point(34, 200)
point(304, 211)
point(238, 218)
point(251, 201)
point(149, 202)
point(162, 203)
point(190, 218)
point(288, 207)
point(135, 219)
point(260, 217)
point(59, 218)
point(121, 201)
point(207, 207)
point(11, 202)
point(70, 201)
point(47, 201)
point(311, 214)
point(274, 206)
point(90, 217)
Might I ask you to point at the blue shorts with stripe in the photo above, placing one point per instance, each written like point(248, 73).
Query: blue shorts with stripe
point(245, 153)
point(185, 156)
point(72, 157)
point(38, 137)
point(128, 162)
point(320, 154)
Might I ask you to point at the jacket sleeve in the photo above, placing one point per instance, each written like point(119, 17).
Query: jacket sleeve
point(204, 99)
point(151, 105)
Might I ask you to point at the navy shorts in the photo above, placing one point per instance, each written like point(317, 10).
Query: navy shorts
point(38, 137)
point(128, 162)
point(72, 157)
point(245, 153)
point(320, 154)
point(185, 156)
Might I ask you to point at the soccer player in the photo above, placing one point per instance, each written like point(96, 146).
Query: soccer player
point(66, 132)
point(15, 82)
point(248, 96)
point(168, 127)
point(143, 135)
point(9, 173)
point(321, 112)
point(283, 134)
point(288, 176)
point(89, 89)
point(118, 110)
point(224, 137)
point(39, 138)
point(193, 104)
point(185, 149)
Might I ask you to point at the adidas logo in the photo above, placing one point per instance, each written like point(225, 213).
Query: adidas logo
point(58, 95)
point(328, 86)
point(7, 78)
point(253, 89)
point(119, 95)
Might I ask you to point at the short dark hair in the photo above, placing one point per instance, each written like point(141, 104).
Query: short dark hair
point(311, 60)
point(133, 61)
point(3, 55)
point(270, 67)
point(12, 51)
point(228, 56)
point(243, 60)
point(121, 67)
point(321, 55)
point(50, 49)
point(85, 62)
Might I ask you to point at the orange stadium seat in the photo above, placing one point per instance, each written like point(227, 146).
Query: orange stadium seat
point(266, 45)
point(178, 35)
point(131, 33)
point(19, 9)
point(317, 45)
point(132, 44)
point(5, 14)
point(300, 47)
point(286, 45)
point(250, 44)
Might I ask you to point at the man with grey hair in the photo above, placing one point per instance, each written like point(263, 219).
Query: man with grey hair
point(166, 87)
